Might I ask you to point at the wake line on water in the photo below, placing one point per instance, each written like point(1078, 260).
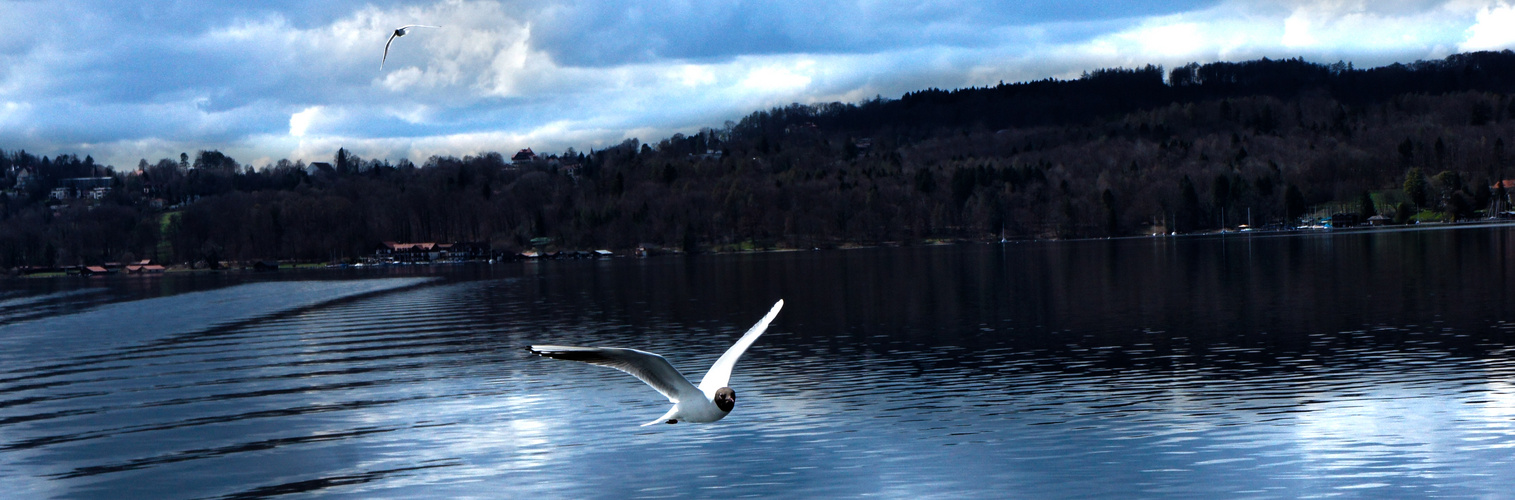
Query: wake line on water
point(16, 310)
point(7, 304)
point(123, 323)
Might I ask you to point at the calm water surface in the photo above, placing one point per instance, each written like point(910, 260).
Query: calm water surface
point(1363, 365)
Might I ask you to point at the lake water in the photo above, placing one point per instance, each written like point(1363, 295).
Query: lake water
point(1364, 365)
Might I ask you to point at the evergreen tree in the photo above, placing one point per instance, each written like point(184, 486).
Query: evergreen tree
point(1112, 221)
point(670, 173)
point(1294, 204)
point(1415, 186)
point(1402, 213)
point(1188, 205)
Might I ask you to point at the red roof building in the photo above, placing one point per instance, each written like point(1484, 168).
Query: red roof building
point(523, 156)
point(144, 269)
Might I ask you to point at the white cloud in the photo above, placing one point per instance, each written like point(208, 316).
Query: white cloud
point(11, 113)
point(1173, 40)
point(1166, 38)
point(299, 123)
point(402, 79)
point(1495, 30)
point(1358, 28)
point(1298, 32)
point(692, 75)
point(1367, 33)
point(779, 78)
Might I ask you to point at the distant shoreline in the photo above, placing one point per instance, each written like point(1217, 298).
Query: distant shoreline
point(1423, 226)
point(305, 266)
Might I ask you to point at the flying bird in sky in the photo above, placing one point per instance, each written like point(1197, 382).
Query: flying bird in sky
point(399, 32)
point(712, 400)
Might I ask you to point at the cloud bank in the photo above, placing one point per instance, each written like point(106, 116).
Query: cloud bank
point(129, 80)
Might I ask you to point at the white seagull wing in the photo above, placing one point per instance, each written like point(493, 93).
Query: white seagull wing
point(398, 33)
point(386, 50)
point(649, 367)
point(720, 373)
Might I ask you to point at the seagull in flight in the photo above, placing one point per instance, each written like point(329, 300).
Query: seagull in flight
point(712, 400)
point(399, 32)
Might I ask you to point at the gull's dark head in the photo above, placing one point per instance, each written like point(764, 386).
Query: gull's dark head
point(725, 399)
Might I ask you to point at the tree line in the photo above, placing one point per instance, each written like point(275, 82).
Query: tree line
point(1116, 152)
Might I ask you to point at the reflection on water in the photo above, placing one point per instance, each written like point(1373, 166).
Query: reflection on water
point(1374, 364)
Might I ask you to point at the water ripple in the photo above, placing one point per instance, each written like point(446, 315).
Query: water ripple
point(418, 388)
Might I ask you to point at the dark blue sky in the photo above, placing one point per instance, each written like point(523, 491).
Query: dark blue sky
point(267, 80)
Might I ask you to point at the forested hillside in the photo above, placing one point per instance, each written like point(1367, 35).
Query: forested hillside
point(1117, 152)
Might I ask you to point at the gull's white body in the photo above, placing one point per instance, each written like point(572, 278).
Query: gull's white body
point(399, 32)
point(690, 403)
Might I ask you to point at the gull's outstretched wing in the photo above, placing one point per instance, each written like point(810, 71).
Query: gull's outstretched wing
point(399, 32)
point(386, 50)
point(720, 372)
point(649, 367)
